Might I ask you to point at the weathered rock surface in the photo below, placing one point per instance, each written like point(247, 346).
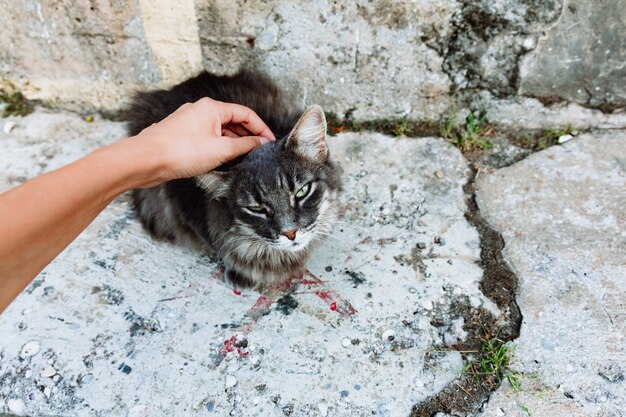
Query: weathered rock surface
point(561, 213)
point(121, 325)
point(369, 59)
point(75, 54)
point(581, 58)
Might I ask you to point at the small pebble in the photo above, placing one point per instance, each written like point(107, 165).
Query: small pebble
point(528, 43)
point(210, 406)
point(439, 174)
point(357, 387)
point(8, 126)
point(241, 341)
point(30, 349)
point(17, 406)
point(345, 342)
point(323, 407)
point(412, 290)
point(28, 374)
point(344, 393)
point(86, 379)
point(564, 138)
point(231, 381)
point(421, 245)
point(47, 391)
point(389, 335)
point(439, 240)
point(328, 268)
point(48, 372)
point(255, 361)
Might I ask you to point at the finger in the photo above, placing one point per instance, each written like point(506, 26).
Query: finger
point(238, 129)
point(240, 146)
point(230, 133)
point(237, 114)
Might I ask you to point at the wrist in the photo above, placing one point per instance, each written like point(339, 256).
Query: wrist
point(130, 163)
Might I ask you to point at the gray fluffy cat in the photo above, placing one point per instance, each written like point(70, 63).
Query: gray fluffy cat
point(262, 214)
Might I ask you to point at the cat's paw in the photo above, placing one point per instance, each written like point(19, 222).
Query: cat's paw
point(238, 280)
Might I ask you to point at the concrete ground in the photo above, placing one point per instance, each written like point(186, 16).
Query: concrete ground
point(120, 325)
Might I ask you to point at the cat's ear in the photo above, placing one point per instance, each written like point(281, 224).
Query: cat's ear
point(308, 137)
point(214, 182)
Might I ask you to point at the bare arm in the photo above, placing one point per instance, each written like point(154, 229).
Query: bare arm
point(39, 218)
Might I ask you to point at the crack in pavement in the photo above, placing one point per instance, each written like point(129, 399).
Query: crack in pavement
point(467, 394)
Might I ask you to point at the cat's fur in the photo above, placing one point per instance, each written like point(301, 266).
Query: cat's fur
point(212, 211)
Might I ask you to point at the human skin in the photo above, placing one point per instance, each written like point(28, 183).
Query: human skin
point(42, 216)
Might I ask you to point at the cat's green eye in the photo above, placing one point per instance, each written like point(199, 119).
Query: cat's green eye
point(256, 209)
point(302, 192)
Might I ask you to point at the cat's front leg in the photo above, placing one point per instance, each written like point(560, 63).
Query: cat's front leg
point(237, 279)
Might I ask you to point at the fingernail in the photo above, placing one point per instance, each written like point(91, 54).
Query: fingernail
point(269, 134)
point(263, 140)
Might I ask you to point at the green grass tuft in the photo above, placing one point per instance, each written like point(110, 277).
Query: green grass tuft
point(495, 362)
point(15, 104)
point(545, 139)
point(473, 135)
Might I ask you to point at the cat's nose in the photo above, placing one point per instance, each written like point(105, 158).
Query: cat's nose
point(291, 234)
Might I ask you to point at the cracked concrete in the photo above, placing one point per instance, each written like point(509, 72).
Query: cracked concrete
point(561, 213)
point(122, 325)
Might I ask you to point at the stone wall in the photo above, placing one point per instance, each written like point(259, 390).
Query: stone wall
point(546, 60)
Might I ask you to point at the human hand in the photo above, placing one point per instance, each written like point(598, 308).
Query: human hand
point(199, 137)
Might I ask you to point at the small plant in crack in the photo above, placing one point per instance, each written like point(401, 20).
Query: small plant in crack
point(15, 104)
point(494, 362)
point(545, 139)
point(402, 128)
point(473, 135)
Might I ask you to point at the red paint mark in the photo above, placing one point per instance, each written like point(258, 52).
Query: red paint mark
point(261, 303)
point(227, 347)
point(324, 295)
point(314, 279)
point(236, 291)
point(284, 286)
point(341, 306)
point(260, 308)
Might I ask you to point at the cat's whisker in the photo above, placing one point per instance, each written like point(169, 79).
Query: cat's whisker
point(343, 242)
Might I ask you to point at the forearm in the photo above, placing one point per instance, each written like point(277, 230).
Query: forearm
point(41, 217)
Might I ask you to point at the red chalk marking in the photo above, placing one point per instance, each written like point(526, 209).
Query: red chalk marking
point(261, 302)
point(236, 291)
point(341, 306)
point(260, 308)
point(315, 280)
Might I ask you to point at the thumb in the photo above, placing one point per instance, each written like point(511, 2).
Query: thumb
point(244, 144)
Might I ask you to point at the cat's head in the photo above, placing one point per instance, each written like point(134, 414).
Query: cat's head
point(283, 193)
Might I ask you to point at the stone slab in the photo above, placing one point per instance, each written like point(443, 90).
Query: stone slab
point(121, 325)
point(561, 213)
point(581, 57)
